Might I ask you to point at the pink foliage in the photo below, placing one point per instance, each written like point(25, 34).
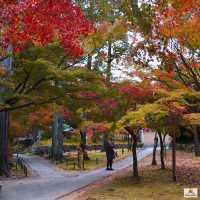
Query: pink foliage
point(135, 92)
point(88, 95)
point(67, 114)
point(109, 103)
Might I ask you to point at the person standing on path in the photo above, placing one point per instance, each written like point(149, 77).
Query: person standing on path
point(110, 154)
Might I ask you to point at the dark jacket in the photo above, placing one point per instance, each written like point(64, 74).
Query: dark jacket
point(110, 153)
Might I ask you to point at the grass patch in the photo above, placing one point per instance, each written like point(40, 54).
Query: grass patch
point(97, 160)
point(48, 142)
point(154, 183)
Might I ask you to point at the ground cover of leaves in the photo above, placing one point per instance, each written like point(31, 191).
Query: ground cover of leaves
point(154, 183)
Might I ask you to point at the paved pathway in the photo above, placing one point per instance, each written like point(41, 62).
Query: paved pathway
point(44, 168)
point(53, 187)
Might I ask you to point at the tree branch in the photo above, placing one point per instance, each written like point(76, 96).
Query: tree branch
point(37, 84)
point(180, 75)
point(190, 70)
point(29, 104)
point(28, 74)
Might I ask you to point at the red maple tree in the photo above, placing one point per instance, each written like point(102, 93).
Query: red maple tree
point(37, 22)
point(41, 22)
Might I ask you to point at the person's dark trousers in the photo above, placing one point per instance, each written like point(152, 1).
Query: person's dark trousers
point(109, 163)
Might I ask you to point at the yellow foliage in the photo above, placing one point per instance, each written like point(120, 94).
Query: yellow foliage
point(106, 31)
point(2, 71)
point(192, 119)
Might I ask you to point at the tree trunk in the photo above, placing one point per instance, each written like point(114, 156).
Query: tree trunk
point(134, 151)
point(161, 151)
point(196, 142)
point(174, 157)
point(4, 157)
point(108, 69)
point(165, 146)
point(128, 142)
point(83, 145)
point(57, 140)
point(79, 158)
point(89, 62)
point(154, 162)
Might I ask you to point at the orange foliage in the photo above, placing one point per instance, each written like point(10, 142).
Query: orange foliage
point(2, 71)
point(42, 118)
point(180, 20)
point(16, 129)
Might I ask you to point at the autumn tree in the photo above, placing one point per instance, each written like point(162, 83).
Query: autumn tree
point(132, 122)
point(43, 23)
point(192, 122)
point(188, 99)
point(109, 43)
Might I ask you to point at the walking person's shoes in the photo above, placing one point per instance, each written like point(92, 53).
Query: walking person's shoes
point(110, 169)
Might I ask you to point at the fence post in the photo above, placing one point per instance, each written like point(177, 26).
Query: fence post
point(24, 168)
point(16, 165)
point(66, 162)
point(20, 162)
point(74, 165)
point(83, 163)
point(26, 172)
point(78, 158)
